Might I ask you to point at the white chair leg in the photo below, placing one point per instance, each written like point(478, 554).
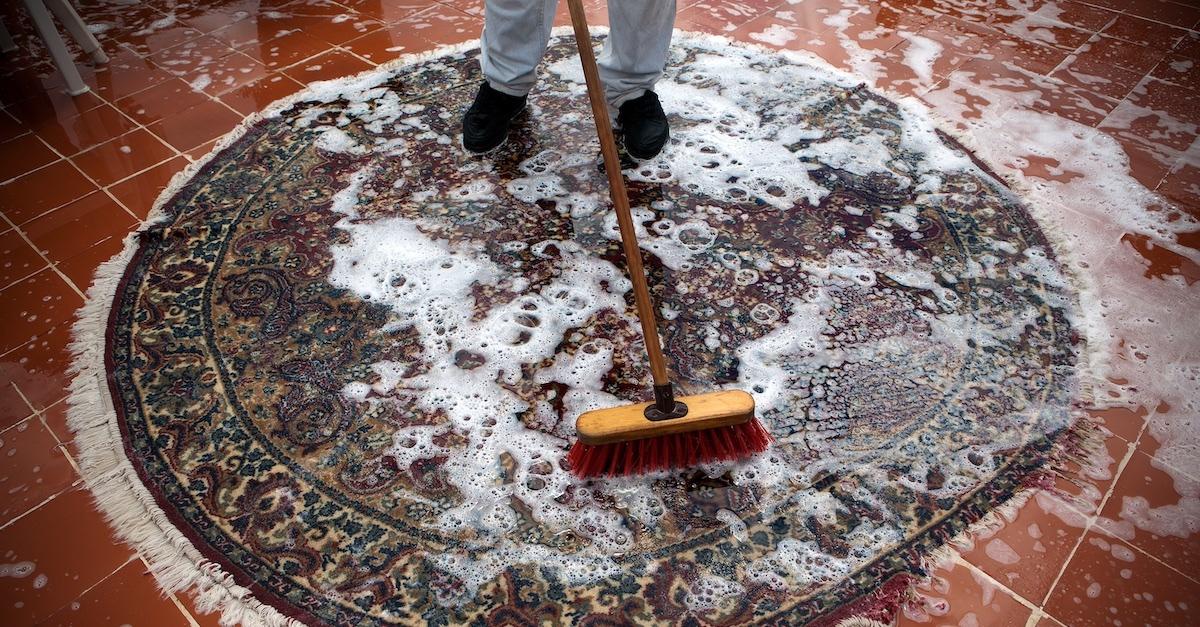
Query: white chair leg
point(79, 31)
point(54, 43)
point(6, 42)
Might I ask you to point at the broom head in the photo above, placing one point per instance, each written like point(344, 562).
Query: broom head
point(617, 441)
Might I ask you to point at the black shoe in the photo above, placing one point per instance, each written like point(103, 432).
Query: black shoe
point(644, 126)
point(485, 125)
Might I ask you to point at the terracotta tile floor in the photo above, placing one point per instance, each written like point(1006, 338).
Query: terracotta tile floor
point(77, 173)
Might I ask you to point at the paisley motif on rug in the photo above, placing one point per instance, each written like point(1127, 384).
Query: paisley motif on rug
point(346, 360)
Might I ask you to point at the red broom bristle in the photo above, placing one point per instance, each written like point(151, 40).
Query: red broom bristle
point(680, 450)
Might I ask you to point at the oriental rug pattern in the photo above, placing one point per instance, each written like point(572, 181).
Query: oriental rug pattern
point(347, 360)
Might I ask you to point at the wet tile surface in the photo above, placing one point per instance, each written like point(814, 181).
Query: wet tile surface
point(127, 597)
point(77, 173)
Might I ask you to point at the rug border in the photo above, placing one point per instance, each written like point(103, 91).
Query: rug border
point(136, 518)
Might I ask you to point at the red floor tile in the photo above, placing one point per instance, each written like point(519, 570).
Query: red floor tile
point(201, 151)
point(34, 305)
point(1182, 186)
point(51, 539)
point(123, 157)
point(443, 25)
point(32, 468)
point(129, 596)
point(1088, 72)
point(54, 418)
point(1042, 94)
point(30, 195)
point(714, 16)
point(10, 127)
point(38, 368)
point(34, 96)
point(1145, 510)
point(330, 65)
point(17, 258)
point(1179, 70)
point(23, 155)
point(13, 408)
point(957, 595)
point(126, 73)
point(1189, 45)
point(1123, 423)
point(255, 96)
point(194, 56)
point(335, 26)
point(1040, 29)
point(81, 266)
point(242, 34)
point(1173, 100)
point(62, 233)
point(149, 41)
point(1079, 14)
point(1107, 582)
point(1145, 32)
point(165, 99)
point(138, 193)
point(1182, 13)
point(190, 128)
point(95, 126)
point(386, 44)
point(210, 16)
point(287, 49)
point(1162, 262)
point(233, 72)
point(1130, 56)
point(1029, 551)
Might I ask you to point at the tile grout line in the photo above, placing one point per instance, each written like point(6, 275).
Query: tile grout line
point(99, 187)
point(169, 595)
point(79, 478)
point(1091, 518)
point(49, 265)
point(62, 446)
point(980, 573)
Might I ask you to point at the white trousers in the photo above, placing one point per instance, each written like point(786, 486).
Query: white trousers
point(516, 32)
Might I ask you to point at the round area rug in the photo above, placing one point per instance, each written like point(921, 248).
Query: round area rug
point(345, 361)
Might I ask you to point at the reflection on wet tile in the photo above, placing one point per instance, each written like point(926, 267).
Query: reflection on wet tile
point(38, 367)
point(30, 195)
point(129, 596)
point(32, 468)
point(44, 548)
point(122, 157)
point(329, 65)
point(62, 233)
point(22, 155)
point(139, 192)
point(191, 127)
point(33, 306)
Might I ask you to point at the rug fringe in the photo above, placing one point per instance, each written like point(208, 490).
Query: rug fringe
point(176, 564)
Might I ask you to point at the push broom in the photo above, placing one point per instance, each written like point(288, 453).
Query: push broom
point(669, 432)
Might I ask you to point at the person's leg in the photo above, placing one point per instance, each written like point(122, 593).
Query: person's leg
point(636, 49)
point(632, 62)
point(515, 34)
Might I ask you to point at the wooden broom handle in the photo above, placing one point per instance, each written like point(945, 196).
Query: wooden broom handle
point(616, 189)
